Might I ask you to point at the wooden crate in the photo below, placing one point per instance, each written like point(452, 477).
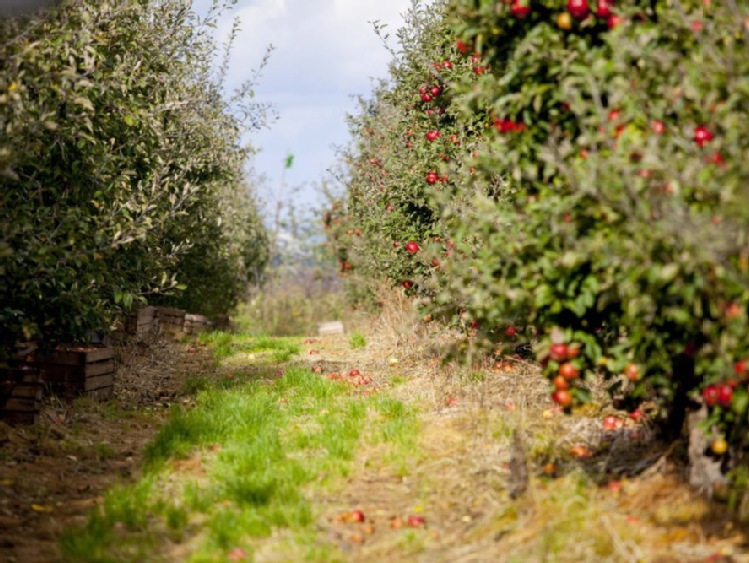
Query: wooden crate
point(171, 321)
point(223, 322)
point(142, 323)
point(20, 395)
point(195, 324)
point(70, 371)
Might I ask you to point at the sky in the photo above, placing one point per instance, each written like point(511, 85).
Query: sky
point(325, 51)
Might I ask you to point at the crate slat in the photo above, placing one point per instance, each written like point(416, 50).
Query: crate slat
point(99, 382)
point(99, 368)
point(22, 404)
point(27, 391)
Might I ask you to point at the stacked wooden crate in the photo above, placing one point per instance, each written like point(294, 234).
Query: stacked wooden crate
point(170, 321)
point(142, 323)
point(195, 324)
point(70, 371)
point(20, 394)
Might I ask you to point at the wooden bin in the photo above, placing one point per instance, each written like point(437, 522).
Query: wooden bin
point(195, 324)
point(20, 395)
point(78, 370)
point(223, 322)
point(171, 321)
point(142, 323)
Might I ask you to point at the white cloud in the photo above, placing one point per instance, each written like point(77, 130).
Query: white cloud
point(325, 51)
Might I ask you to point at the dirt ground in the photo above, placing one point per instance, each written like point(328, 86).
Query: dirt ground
point(53, 473)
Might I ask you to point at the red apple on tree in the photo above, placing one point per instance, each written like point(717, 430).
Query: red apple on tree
point(725, 395)
point(562, 397)
point(520, 8)
point(614, 21)
point(412, 246)
point(569, 371)
point(578, 8)
point(710, 395)
point(560, 383)
point(702, 135)
point(558, 352)
point(657, 126)
point(603, 9)
point(433, 135)
point(632, 372)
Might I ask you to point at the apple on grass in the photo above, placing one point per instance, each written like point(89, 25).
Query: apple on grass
point(415, 521)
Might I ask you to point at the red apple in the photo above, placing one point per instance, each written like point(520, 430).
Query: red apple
point(354, 373)
point(603, 9)
point(408, 284)
point(636, 415)
point(558, 352)
point(357, 516)
point(657, 126)
point(511, 331)
point(560, 383)
point(562, 397)
point(710, 395)
point(520, 8)
point(412, 246)
point(433, 135)
point(432, 177)
point(632, 372)
point(611, 423)
point(702, 135)
point(725, 394)
point(568, 371)
point(461, 46)
point(447, 64)
point(739, 367)
point(435, 91)
point(416, 521)
point(578, 8)
point(615, 21)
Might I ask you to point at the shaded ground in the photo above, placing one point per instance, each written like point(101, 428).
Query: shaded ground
point(53, 473)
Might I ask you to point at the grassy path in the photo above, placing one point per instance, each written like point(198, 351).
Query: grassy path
point(284, 456)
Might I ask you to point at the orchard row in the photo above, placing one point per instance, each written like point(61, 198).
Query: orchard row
point(121, 170)
point(572, 173)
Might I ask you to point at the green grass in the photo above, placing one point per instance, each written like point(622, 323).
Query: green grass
point(259, 444)
point(357, 340)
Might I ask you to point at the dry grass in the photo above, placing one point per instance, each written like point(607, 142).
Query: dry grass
point(482, 426)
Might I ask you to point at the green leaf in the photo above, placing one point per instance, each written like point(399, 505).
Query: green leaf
point(740, 400)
